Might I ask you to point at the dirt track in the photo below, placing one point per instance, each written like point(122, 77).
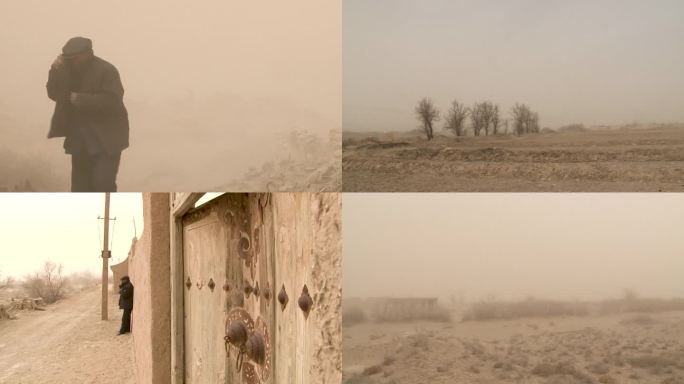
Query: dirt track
point(68, 343)
point(593, 161)
point(627, 348)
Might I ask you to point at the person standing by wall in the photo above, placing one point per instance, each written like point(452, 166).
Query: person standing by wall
point(125, 303)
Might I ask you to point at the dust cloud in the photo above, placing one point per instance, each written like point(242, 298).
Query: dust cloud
point(511, 246)
point(218, 93)
point(513, 288)
point(597, 63)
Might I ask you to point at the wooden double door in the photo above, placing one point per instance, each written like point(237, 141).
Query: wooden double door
point(260, 257)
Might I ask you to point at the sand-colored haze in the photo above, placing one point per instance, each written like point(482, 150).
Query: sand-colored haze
point(555, 246)
point(532, 288)
point(602, 62)
point(212, 88)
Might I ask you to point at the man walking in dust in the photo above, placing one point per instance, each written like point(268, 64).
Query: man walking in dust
point(125, 303)
point(89, 114)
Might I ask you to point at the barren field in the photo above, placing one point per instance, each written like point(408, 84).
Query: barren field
point(598, 160)
point(67, 343)
point(624, 348)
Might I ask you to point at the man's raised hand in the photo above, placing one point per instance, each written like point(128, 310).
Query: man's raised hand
point(59, 62)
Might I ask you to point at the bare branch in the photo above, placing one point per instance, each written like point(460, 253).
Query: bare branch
point(427, 114)
point(455, 119)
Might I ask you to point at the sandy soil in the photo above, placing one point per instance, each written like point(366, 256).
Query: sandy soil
point(68, 343)
point(606, 160)
point(627, 348)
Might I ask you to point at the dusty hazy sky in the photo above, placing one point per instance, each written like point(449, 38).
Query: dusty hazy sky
point(568, 246)
point(164, 48)
point(209, 81)
point(64, 228)
point(596, 62)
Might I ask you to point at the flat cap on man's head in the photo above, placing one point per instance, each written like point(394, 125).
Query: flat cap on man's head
point(77, 45)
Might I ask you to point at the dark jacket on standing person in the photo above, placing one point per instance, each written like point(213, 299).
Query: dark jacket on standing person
point(126, 295)
point(101, 119)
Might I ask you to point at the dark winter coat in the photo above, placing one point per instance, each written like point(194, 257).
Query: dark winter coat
point(126, 295)
point(101, 109)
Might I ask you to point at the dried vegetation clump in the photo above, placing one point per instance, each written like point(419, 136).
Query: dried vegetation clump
point(493, 310)
point(305, 161)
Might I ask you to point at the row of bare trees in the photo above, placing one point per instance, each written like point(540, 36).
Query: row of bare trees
point(484, 117)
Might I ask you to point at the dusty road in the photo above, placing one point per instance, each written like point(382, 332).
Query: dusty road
point(68, 343)
point(647, 160)
point(611, 349)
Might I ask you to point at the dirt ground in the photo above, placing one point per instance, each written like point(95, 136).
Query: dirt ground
point(67, 343)
point(625, 348)
point(647, 160)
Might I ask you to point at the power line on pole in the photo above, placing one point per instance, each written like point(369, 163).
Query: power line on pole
point(105, 259)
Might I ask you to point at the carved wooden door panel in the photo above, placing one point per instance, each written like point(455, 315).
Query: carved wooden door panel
point(250, 331)
point(212, 275)
point(273, 315)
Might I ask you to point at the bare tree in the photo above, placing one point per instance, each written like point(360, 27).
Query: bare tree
point(49, 284)
point(427, 114)
point(524, 120)
point(484, 116)
point(533, 125)
point(455, 119)
point(478, 118)
point(519, 112)
point(7, 282)
point(494, 119)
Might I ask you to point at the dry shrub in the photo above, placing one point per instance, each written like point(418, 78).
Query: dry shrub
point(561, 369)
point(598, 368)
point(409, 312)
point(5, 314)
point(7, 282)
point(631, 302)
point(48, 284)
point(643, 305)
point(357, 379)
point(305, 161)
point(661, 361)
point(389, 360)
point(372, 370)
point(493, 310)
point(639, 320)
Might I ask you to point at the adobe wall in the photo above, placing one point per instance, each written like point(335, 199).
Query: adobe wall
point(148, 268)
point(120, 270)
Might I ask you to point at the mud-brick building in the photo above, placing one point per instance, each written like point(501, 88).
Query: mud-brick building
point(263, 269)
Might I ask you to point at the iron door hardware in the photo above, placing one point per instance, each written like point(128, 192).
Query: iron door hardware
point(282, 298)
point(267, 292)
point(305, 301)
point(251, 340)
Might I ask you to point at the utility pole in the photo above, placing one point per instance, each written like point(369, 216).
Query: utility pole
point(105, 260)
